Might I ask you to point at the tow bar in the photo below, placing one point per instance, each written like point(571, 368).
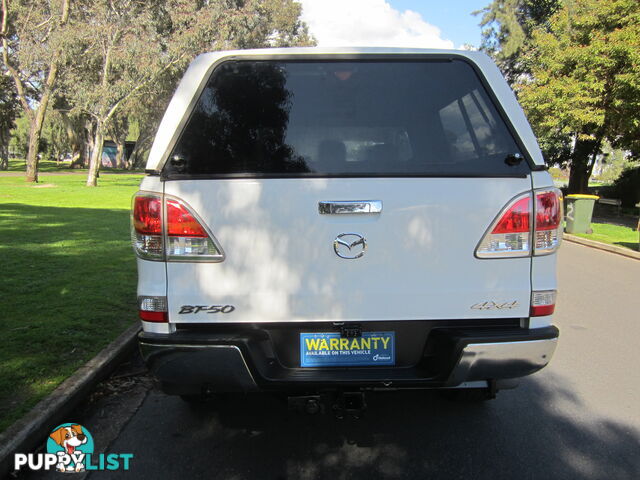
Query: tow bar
point(350, 404)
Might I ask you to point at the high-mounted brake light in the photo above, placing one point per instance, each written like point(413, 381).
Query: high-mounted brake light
point(170, 231)
point(522, 223)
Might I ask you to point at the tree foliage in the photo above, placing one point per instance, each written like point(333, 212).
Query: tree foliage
point(507, 26)
point(626, 186)
point(34, 40)
point(127, 52)
point(584, 83)
point(96, 66)
point(610, 164)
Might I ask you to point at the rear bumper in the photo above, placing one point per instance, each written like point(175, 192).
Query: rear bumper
point(244, 361)
point(483, 361)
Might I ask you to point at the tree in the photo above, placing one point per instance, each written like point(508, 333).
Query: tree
point(118, 130)
point(585, 83)
point(32, 50)
point(507, 26)
point(19, 135)
point(8, 113)
point(144, 119)
point(57, 141)
point(77, 127)
point(611, 164)
point(126, 50)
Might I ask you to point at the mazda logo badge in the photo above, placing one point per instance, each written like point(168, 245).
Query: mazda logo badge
point(349, 245)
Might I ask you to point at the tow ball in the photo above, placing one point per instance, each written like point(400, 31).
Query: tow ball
point(341, 404)
point(350, 404)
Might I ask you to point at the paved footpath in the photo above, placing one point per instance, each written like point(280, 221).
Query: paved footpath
point(577, 419)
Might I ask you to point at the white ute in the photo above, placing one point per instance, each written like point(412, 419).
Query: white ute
point(343, 220)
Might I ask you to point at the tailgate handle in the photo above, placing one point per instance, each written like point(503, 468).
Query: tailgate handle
point(356, 206)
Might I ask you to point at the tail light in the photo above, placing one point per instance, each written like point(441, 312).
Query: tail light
point(511, 233)
point(543, 302)
point(146, 226)
point(170, 230)
point(153, 309)
point(548, 226)
point(187, 238)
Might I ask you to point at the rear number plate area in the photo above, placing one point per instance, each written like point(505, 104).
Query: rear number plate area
point(331, 350)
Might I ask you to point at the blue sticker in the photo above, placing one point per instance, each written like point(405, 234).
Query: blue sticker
point(330, 350)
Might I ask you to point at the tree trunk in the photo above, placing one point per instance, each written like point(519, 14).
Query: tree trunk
point(85, 145)
point(73, 136)
point(120, 154)
point(578, 178)
point(4, 148)
point(582, 162)
point(96, 156)
point(75, 159)
point(133, 158)
point(143, 144)
point(35, 131)
point(88, 141)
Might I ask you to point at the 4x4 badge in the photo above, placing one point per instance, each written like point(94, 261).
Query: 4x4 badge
point(349, 245)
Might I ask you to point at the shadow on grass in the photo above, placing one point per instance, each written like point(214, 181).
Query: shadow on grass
point(122, 180)
point(539, 431)
point(631, 245)
point(19, 165)
point(48, 166)
point(121, 171)
point(68, 288)
point(627, 221)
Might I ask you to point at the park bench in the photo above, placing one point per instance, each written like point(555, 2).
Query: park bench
point(613, 202)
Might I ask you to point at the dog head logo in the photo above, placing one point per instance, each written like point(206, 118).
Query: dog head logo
point(70, 442)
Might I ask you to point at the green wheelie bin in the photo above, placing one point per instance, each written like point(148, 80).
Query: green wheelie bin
point(579, 211)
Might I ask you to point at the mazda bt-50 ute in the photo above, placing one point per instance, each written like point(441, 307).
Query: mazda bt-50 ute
point(345, 220)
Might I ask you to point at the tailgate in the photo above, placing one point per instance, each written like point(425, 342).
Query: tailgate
point(281, 264)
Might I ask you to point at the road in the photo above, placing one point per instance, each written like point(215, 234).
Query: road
point(578, 418)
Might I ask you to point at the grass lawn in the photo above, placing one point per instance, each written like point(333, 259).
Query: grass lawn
point(67, 282)
point(612, 234)
point(44, 166)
